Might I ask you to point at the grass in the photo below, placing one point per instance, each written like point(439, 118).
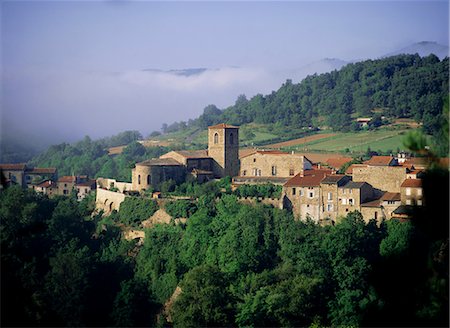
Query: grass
point(378, 140)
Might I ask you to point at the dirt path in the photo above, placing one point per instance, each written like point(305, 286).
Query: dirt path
point(300, 141)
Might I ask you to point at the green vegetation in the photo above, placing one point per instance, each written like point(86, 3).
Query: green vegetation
point(236, 265)
point(380, 140)
point(134, 210)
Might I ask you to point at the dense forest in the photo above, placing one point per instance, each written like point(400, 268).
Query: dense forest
point(236, 265)
point(403, 86)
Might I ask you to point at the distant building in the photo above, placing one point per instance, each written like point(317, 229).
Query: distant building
point(23, 175)
point(219, 160)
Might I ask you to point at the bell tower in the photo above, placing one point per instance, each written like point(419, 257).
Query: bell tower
point(223, 147)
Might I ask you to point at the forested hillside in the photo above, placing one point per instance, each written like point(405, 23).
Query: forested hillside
point(236, 265)
point(404, 86)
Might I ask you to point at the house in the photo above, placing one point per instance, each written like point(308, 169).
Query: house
point(381, 208)
point(23, 175)
point(66, 184)
point(85, 187)
point(412, 192)
point(329, 187)
point(219, 160)
point(352, 194)
point(48, 187)
point(302, 194)
point(363, 121)
point(381, 172)
point(273, 163)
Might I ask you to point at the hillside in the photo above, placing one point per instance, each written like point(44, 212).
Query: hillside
point(403, 86)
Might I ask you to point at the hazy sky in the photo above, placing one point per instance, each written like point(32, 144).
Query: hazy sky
point(76, 68)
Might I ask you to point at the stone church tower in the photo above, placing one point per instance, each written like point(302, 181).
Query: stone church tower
point(223, 147)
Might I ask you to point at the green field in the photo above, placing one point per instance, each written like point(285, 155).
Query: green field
point(379, 140)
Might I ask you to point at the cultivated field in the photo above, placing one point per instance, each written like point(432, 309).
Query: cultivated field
point(300, 141)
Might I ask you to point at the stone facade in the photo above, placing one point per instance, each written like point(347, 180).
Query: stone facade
point(273, 164)
point(352, 195)
point(330, 200)
point(107, 201)
point(387, 178)
point(223, 147)
point(152, 173)
point(411, 192)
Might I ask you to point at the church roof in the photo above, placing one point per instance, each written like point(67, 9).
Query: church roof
point(223, 126)
point(193, 153)
point(159, 162)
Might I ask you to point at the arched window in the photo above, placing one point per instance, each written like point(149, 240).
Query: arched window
point(231, 138)
point(139, 179)
point(216, 138)
point(148, 179)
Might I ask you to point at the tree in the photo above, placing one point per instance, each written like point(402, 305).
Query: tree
point(204, 300)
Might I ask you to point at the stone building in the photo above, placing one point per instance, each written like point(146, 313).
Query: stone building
point(23, 175)
point(412, 192)
point(352, 195)
point(302, 194)
point(219, 160)
point(330, 202)
point(387, 178)
point(273, 163)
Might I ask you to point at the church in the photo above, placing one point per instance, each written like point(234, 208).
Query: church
point(219, 160)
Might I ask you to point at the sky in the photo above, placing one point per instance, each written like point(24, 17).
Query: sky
point(76, 68)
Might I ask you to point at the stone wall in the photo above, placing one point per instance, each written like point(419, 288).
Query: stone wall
point(107, 183)
point(277, 165)
point(387, 178)
point(275, 202)
point(331, 211)
point(108, 200)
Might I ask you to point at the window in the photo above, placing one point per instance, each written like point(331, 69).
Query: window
point(343, 190)
point(216, 138)
point(419, 202)
point(408, 191)
point(65, 191)
point(254, 160)
point(329, 207)
point(408, 202)
point(244, 172)
point(291, 172)
point(65, 185)
point(419, 192)
point(350, 191)
point(350, 201)
point(344, 201)
point(148, 179)
point(86, 190)
point(293, 191)
point(139, 179)
point(330, 196)
point(311, 194)
point(274, 170)
point(301, 191)
point(231, 138)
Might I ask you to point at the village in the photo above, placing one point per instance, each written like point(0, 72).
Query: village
point(381, 188)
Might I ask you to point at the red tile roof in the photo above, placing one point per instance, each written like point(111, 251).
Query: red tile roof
point(193, 153)
point(391, 196)
point(412, 183)
point(67, 178)
point(46, 184)
point(380, 160)
point(311, 178)
point(223, 126)
point(13, 167)
point(338, 162)
point(417, 162)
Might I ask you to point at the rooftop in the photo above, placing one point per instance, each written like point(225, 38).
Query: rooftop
point(414, 183)
point(223, 126)
point(159, 162)
point(13, 167)
point(338, 162)
point(46, 184)
point(354, 185)
point(335, 179)
point(380, 161)
point(391, 196)
point(311, 178)
point(372, 203)
point(265, 152)
point(192, 153)
point(67, 178)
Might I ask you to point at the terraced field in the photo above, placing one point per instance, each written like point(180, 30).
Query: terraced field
point(379, 140)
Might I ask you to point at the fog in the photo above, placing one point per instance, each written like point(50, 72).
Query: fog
point(90, 68)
